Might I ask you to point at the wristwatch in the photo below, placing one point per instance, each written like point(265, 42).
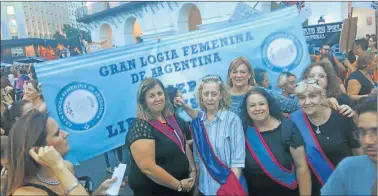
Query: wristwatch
point(179, 189)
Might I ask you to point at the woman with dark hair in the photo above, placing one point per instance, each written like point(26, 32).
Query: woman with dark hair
point(261, 78)
point(15, 111)
point(360, 83)
point(323, 72)
point(172, 94)
point(31, 72)
point(35, 163)
point(33, 93)
point(327, 134)
point(275, 155)
point(160, 162)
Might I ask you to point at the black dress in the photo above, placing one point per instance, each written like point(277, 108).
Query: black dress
point(344, 99)
point(259, 184)
point(167, 155)
point(366, 85)
point(336, 139)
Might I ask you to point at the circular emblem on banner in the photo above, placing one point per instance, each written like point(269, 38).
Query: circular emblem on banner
point(80, 106)
point(282, 52)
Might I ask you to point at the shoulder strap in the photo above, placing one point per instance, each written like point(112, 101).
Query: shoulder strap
point(42, 187)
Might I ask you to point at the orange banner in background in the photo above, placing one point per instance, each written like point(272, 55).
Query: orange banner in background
point(29, 50)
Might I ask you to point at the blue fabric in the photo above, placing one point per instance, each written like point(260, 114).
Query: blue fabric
point(353, 176)
point(271, 168)
point(317, 160)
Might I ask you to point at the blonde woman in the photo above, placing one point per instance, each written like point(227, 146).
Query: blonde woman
point(327, 134)
point(287, 82)
point(241, 78)
point(219, 145)
point(160, 162)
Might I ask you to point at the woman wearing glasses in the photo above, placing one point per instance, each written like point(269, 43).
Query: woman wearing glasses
point(326, 76)
point(328, 135)
point(160, 163)
point(275, 156)
point(219, 145)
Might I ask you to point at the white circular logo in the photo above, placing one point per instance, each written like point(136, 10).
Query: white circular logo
point(282, 52)
point(80, 106)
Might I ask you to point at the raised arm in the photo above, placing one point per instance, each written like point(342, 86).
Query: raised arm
point(189, 110)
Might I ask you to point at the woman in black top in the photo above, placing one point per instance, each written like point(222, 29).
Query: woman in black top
point(360, 83)
point(282, 139)
point(332, 131)
point(326, 76)
point(159, 163)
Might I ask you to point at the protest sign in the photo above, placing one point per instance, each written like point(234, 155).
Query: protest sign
point(94, 96)
point(317, 35)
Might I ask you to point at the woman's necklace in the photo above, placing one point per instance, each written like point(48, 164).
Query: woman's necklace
point(317, 126)
point(49, 182)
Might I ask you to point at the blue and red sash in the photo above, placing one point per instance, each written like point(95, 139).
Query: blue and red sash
point(221, 173)
point(316, 158)
point(175, 135)
point(268, 163)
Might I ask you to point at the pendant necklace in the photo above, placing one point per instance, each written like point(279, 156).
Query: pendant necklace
point(317, 131)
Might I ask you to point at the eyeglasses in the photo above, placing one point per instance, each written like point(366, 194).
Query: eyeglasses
point(213, 78)
point(310, 81)
point(361, 133)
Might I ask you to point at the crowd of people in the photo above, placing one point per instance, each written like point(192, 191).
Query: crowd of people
point(316, 137)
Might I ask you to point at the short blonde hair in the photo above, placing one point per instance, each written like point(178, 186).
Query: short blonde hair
point(283, 77)
point(143, 112)
point(303, 87)
point(235, 64)
point(224, 103)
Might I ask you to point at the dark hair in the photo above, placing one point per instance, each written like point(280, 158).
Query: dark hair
point(274, 108)
point(27, 132)
point(321, 47)
point(32, 72)
point(172, 93)
point(368, 104)
point(259, 75)
point(11, 114)
point(367, 35)
point(5, 82)
point(363, 43)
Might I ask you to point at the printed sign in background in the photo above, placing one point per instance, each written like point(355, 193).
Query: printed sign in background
point(93, 96)
point(317, 35)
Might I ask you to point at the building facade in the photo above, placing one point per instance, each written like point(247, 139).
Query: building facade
point(72, 7)
point(122, 23)
point(32, 19)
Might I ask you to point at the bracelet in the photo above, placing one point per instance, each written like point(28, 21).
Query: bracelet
point(71, 188)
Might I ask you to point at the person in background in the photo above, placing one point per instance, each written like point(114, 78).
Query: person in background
point(367, 36)
point(373, 44)
point(219, 145)
point(31, 72)
point(172, 94)
point(261, 78)
point(240, 79)
point(7, 87)
point(287, 82)
point(35, 163)
point(328, 135)
point(15, 111)
point(326, 53)
point(360, 83)
point(357, 175)
point(161, 162)
point(33, 93)
point(359, 48)
point(275, 155)
point(325, 75)
point(20, 80)
point(4, 163)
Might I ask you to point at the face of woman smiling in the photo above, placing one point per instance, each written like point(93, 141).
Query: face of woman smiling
point(240, 76)
point(310, 101)
point(258, 108)
point(155, 99)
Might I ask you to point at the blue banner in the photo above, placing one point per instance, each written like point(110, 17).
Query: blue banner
point(93, 96)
